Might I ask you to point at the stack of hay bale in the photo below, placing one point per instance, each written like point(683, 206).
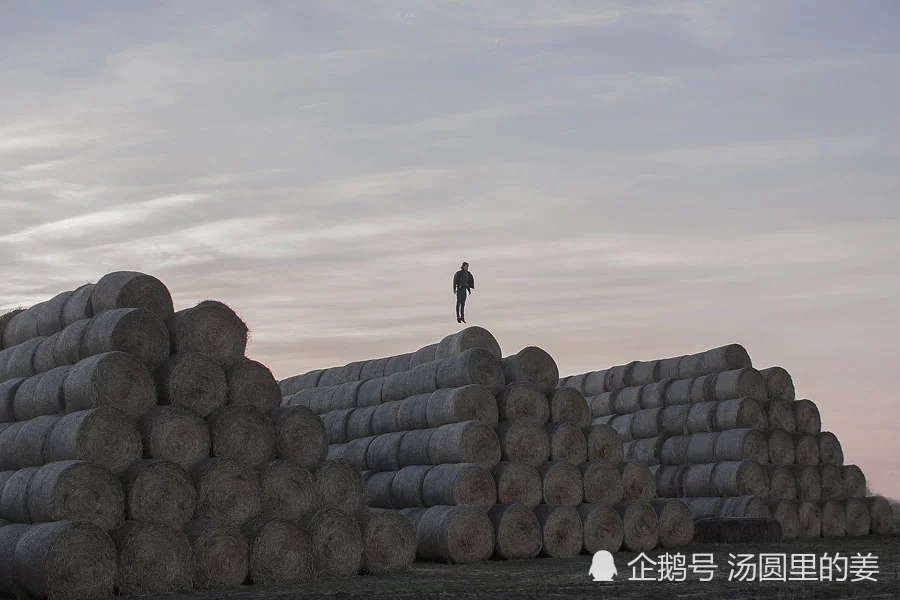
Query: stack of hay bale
point(733, 441)
point(140, 450)
point(484, 456)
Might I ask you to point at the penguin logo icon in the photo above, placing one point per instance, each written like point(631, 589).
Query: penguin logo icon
point(603, 567)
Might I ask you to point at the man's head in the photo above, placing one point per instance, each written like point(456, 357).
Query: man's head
point(465, 266)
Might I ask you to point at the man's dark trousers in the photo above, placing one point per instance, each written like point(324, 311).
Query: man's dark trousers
point(461, 294)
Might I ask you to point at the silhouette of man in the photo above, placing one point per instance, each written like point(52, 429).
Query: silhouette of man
point(463, 284)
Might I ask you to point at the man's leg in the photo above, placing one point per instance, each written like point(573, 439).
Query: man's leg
point(461, 301)
point(457, 307)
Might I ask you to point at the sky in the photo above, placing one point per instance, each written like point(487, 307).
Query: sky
point(629, 180)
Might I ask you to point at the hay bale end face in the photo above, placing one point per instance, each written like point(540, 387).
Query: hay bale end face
point(210, 328)
point(453, 534)
point(72, 490)
point(521, 441)
point(134, 331)
point(153, 559)
point(337, 544)
point(456, 484)
point(243, 433)
point(389, 542)
point(193, 381)
point(562, 531)
point(158, 491)
point(130, 289)
point(517, 532)
point(299, 436)
point(221, 554)
point(340, 486)
point(280, 550)
point(532, 364)
point(227, 491)
point(175, 434)
point(102, 435)
point(523, 400)
point(518, 482)
point(288, 491)
point(603, 528)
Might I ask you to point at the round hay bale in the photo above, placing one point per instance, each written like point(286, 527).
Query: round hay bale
point(354, 451)
point(308, 380)
point(378, 488)
point(809, 482)
point(638, 482)
point(832, 482)
point(8, 391)
point(251, 383)
point(561, 483)
point(742, 444)
point(690, 366)
point(562, 531)
point(741, 383)
point(468, 403)
point(73, 490)
point(603, 443)
point(453, 534)
point(227, 491)
point(645, 451)
point(468, 338)
point(332, 376)
point(20, 361)
point(567, 443)
point(740, 413)
point(101, 435)
point(129, 289)
point(340, 486)
point(158, 491)
point(702, 508)
point(469, 442)
point(359, 423)
point(602, 528)
point(590, 384)
point(522, 441)
point(627, 400)
point(66, 559)
point(675, 522)
point(22, 326)
point(5, 324)
point(669, 480)
point(336, 425)
point(645, 423)
point(679, 391)
point(834, 520)
point(422, 379)
point(857, 516)
point(523, 400)
point(700, 417)
point(68, 347)
point(384, 419)
point(370, 392)
point(396, 386)
point(701, 448)
point(397, 364)
point(779, 385)
point(78, 305)
point(673, 420)
point(112, 379)
point(389, 542)
point(475, 366)
point(48, 396)
point(373, 369)
point(134, 331)
point(806, 449)
point(780, 415)
point(383, 453)
point(568, 405)
point(602, 483)
point(745, 507)
point(830, 451)
point(221, 554)
point(27, 404)
point(881, 513)
point(414, 447)
point(601, 405)
point(645, 372)
point(406, 486)
point(807, 417)
point(14, 499)
point(668, 367)
point(243, 433)
point(697, 480)
point(620, 376)
point(22, 444)
point(653, 395)
point(280, 550)
point(739, 478)
point(175, 434)
point(640, 525)
point(854, 481)
point(621, 423)
point(337, 544)
point(412, 413)
point(153, 559)
point(455, 484)
point(703, 388)
point(193, 381)
point(518, 482)
point(517, 532)
point(210, 328)
point(787, 513)
point(9, 537)
point(810, 520)
point(725, 358)
point(781, 447)
point(782, 482)
point(532, 364)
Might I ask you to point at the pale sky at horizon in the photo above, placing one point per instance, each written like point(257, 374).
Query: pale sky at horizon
point(628, 180)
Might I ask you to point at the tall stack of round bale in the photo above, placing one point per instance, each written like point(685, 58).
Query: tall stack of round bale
point(142, 452)
point(733, 442)
point(485, 456)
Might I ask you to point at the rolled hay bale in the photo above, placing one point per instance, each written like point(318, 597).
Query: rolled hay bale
point(669, 480)
point(602, 483)
point(601, 405)
point(620, 376)
point(468, 338)
point(638, 482)
point(383, 453)
point(745, 507)
point(742, 444)
point(519, 483)
point(561, 483)
point(193, 381)
point(739, 478)
point(305, 381)
point(340, 486)
point(781, 447)
point(676, 524)
point(452, 534)
point(50, 314)
point(627, 400)
point(673, 420)
point(834, 520)
point(65, 559)
point(73, 490)
point(690, 366)
point(697, 480)
point(280, 550)
point(593, 383)
point(244, 433)
point(22, 444)
point(422, 379)
point(703, 388)
point(523, 400)
point(20, 361)
point(467, 403)
point(522, 441)
point(640, 525)
point(412, 413)
point(830, 451)
point(354, 452)
point(359, 423)
point(701, 448)
point(46, 397)
point(221, 554)
point(336, 425)
point(810, 520)
point(568, 405)
point(68, 347)
point(679, 391)
point(227, 491)
point(705, 507)
point(287, 490)
point(372, 369)
point(645, 372)
point(153, 559)
point(562, 530)
point(129, 289)
point(332, 376)
point(210, 328)
point(602, 528)
point(378, 488)
point(175, 434)
point(337, 544)
point(397, 364)
point(668, 367)
point(21, 327)
point(14, 499)
point(567, 443)
point(532, 364)
point(475, 366)
point(645, 423)
point(456, 484)
point(9, 537)
point(467, 442)
point(807, 417)
point(603, 443)
point(782, 482)
point(621, 423)
point(158, 491)
point(780, 415)
point(779, 384)
point(806, 449)
point(110, 379)
point(4, 324)
point(701, 417)
point(854, 482)
point(78, 305)
point(857, 517)
point(653, 395)
point(406, 486)
point(725, 358)
point(809, 481)
point(101, 435)
point(384, 418)
point(740, 413)
point(414, 447)
point(832, 482)
point(881, 513)
point(8, 391)
point(741, 383)
point(388, 542)
point(299, 436)
point(517, 532)
point(134, 331)
point(646, 451)
point(730, 530)
point(251, 383)
point(44, 359)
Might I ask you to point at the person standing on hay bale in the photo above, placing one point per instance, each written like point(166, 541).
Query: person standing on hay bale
point(463, 285)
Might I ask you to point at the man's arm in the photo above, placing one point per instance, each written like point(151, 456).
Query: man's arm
point(471, 283)
point(455, 282)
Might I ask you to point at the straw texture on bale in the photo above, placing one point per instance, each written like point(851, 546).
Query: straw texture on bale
point(8, 391)
point(468, 338)
point(517, 532)
point(388, 541)
point(740, 383)
point(603, 443)
point(779, 385)
point(227, 491)
point(45, 355)
point(158, 491)
point(378, 489)
point(299, 436)
point(101, 435)
point(153, 559)
point(806, 449)
point(65, 559)
point(780, 415)
point(782, 482)
point(638, 482)
point(645, 423)
point(221, 554)
point(745, 507)
point(669, 480)
point(354, 452)
point(518, 482)
point(77, 491)
point(567, 443)
point(809, 482)
point(22, 444)
point(78, 305)
point(881, 513)
point(646, 451)
point(640, 524)
point(28, 403)
point(740, 413)
point(193, 381)
point(340, 486)
point(280, 550)
point(470, 442)
point(832, 482)
point(562, 531)
point(569, 405)
point(110, 379)
point(834, 519)
point(18, 361)
point(406, 486)
point(807, 417)
point(68, 347)
point(288, 491)
point(475, 366)
point(857, 516)
point(337, 544)
point(453, 534)
point(175, 434)
point(336, 425)
point(523, 400)
point(854, 482)
point(5, 319)
point(787, 513)
point(383, 453)
point(532, 364)
point(134, 331)
point(718, 530)
point(522, 441)
point(562, 483)
point(830, 451)
point(810, 520)
point(243, 433)
point(14, 499)
point(129, 289)
point(602, 483)
point(742, 444)
point(467, 403)
point(210, 328)
point(601, 528)
point(454, 484)
point(676, 524)
point(9, 537)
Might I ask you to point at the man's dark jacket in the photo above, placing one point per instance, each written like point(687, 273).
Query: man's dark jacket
point(463, 280)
